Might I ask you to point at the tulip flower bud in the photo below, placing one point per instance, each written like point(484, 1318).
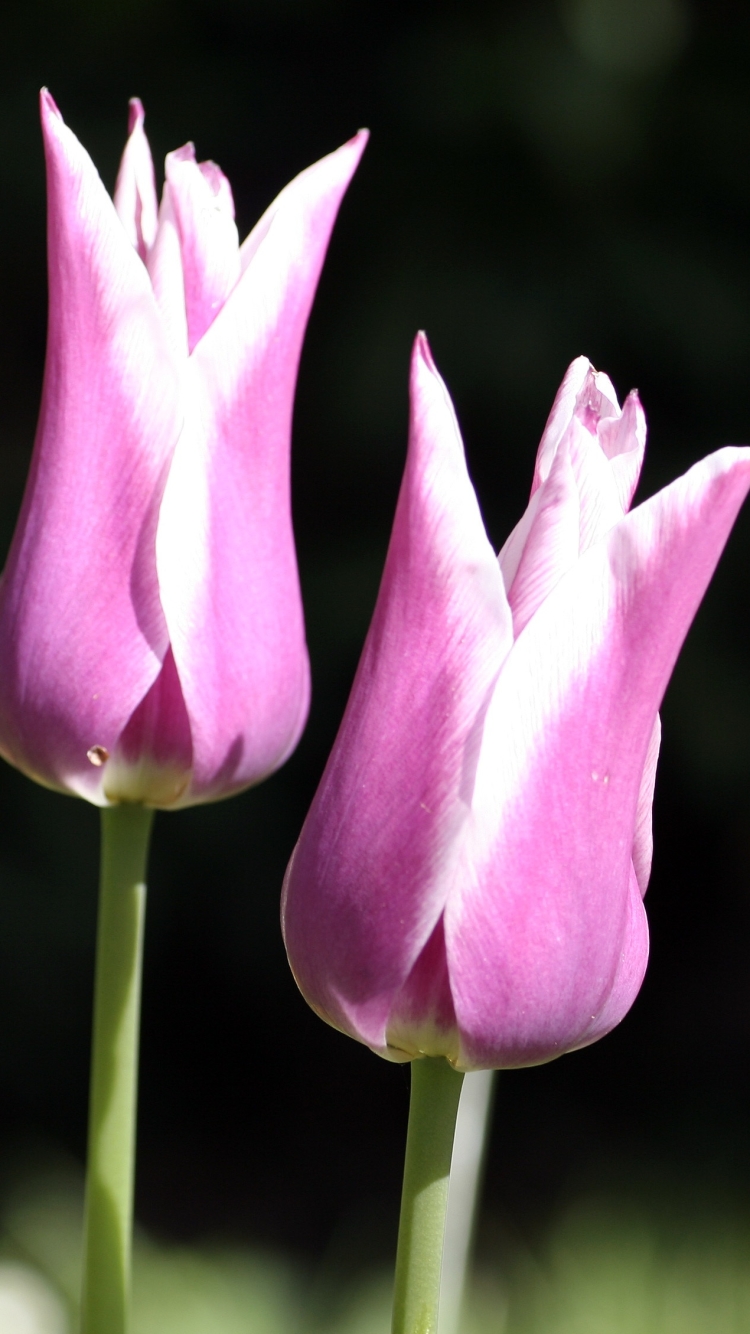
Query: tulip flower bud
point(152, 644)
point(469, 880)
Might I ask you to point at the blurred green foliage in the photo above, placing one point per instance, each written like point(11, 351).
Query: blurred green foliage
point(603, 1265)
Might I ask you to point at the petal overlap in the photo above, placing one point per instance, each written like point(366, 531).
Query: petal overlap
point(135, 188)
point(227, 568)
point(209, 245)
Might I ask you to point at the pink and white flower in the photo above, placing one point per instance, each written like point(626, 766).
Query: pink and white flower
point(152, 642)
point(469, 879)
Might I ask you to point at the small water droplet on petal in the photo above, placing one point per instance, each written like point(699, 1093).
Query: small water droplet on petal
point(98, 755)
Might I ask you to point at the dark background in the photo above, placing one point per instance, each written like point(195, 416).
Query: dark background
point(543, 179)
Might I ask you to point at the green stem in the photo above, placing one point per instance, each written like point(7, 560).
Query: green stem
point(435, 1091)
point(114, 1070)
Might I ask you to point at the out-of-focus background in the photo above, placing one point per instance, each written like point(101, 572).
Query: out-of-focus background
point(545, 177)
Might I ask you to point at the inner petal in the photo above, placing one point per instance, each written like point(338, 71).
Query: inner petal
point(422, 1021)
point(209, 244)
point(551, 546)
point(135, 189)
point(164, 264)
point(153, 759)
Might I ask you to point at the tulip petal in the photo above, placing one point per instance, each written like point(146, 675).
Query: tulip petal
point(422, 1020)
point(558, 424)
point(623, 440)
point(153, 757)
point(164, 265)
point(225, 549)
point(604, 448)
point(135, 189)
point(204, 210)
point(82, 635)
point(542, 929)
point(560, 418)
point(369, 877)
point(551, 545)
point(599, 505)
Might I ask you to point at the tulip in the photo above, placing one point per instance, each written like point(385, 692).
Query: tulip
point(152, 643)
point(468, 883)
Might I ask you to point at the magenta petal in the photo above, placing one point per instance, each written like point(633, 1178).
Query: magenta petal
point(542, 929)
point(204, 209)
point(377, 854)
point(135, 190)
point(227, 567)
point(82, 635)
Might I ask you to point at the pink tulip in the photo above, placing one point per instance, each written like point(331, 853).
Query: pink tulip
point(152, 643)
point(469, 880)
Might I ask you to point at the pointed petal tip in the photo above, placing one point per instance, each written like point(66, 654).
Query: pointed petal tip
point(136, 114)
point(423, 352)
point(634, 405)
point(578, 371)
point(736, 458)
point(48, 106)
point(358, 140)
point(425, 377)
point(352, 149)
point(184, 154)
point(426, 380)
point(432, 416)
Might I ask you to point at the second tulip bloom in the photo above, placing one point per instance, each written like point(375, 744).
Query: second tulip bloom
point(469, 880)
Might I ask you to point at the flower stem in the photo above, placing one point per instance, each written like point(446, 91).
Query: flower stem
point(435, 1091)
point(114, 1070)
point(467, 1172)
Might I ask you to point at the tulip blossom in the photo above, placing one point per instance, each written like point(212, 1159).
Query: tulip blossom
point(469, 880)
point(152, 643)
